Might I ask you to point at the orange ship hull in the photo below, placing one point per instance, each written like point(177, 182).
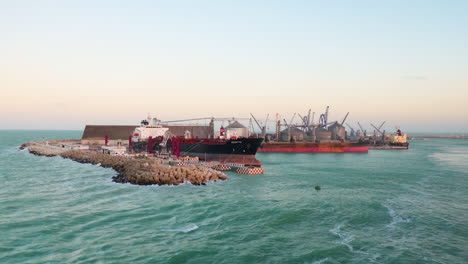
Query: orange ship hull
point(314, 147)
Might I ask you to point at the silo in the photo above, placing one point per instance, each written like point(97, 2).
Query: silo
point(338, 132)
point(322, 134)
point(292, 133)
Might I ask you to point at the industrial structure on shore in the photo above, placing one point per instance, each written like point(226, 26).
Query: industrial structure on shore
point(325, 136)
point(232, 144)
point(237, 143)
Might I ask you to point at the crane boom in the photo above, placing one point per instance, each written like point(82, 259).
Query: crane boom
point(344, 119)
point(302, 119)
point(264, 128)
point(290, 122)
point(205, 118)
point(185, 120)
point(326, 114)
point(362, 129)
point(376, 128)
point(381, 125)
point(259, 126)
point(352, 129)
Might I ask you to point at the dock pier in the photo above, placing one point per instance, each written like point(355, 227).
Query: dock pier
point(134, 169)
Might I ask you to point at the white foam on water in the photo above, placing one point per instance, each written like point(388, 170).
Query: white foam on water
point(346, 239)
point(454, 157)
point(320, 261)
point(396, 218)
point(186, 229)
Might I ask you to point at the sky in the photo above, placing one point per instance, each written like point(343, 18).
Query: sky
point(65, 64)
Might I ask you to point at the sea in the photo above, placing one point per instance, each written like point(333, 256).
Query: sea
point(386, 206)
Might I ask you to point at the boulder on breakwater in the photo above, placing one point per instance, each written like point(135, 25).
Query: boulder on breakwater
point(141, 171)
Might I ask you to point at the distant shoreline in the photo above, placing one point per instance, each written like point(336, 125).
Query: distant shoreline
point(440, 136)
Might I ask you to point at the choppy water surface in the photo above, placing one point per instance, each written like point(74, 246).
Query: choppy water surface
point(382, 207)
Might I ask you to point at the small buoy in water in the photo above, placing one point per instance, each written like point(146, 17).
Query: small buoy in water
point(317, 187)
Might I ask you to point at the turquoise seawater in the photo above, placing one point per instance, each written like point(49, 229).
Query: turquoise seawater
point(381, 207)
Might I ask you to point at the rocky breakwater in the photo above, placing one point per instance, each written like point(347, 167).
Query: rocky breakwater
point(141, 171)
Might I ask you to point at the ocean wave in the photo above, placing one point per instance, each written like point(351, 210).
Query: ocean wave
point(346, 239)
point(396, 218)
point(187, 229)
point(320, 261)
point(453, 158)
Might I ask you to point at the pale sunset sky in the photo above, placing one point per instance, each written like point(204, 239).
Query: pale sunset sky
point(65, 64)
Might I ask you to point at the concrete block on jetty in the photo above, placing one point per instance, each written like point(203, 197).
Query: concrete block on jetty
point(250, 170)
point(135, 170)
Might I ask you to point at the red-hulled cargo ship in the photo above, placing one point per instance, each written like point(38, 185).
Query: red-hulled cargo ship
point(314, 147)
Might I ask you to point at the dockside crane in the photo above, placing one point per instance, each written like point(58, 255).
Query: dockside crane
point(323, 120)
point(305, 122)
point(344, 119)
point(381, 125)
point(266, 123)
point(292, 118)
point(262, 128)
point(362, 130)
point(289, 125)
point(377, 129)
point(258, 124)
point(382, 133)
point(353, 132)
point(290, 121)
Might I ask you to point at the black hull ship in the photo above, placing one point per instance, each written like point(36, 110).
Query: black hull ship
point(240, 150)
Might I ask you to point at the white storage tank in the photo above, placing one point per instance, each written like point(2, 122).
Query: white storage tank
point(236, 129)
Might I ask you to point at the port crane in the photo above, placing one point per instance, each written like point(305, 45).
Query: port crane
point(262, 128)
point(323, 120)
point(353, 131)
point(307, 121)
point(364, 132)
point(344, 119)
point(381, 132)
point(290, 121)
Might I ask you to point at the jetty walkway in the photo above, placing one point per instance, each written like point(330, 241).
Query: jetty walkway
point(139, 170)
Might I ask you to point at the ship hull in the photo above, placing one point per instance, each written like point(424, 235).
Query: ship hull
point(389, 145)
point(402, 145)
point(247, 160)
point(241, 150)
point(314, 147)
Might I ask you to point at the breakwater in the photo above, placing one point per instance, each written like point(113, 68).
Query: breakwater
point(135, 170)
point(440, 136)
